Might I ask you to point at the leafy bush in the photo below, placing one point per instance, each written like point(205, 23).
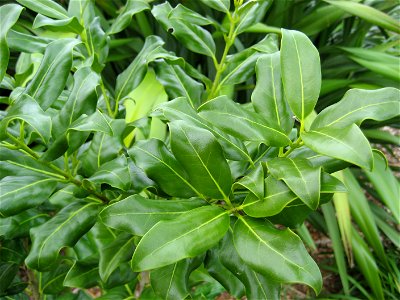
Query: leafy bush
point(121, 169)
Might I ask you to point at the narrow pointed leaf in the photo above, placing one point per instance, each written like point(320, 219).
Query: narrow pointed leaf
point(273, 253)
point(64, 229)
point(237, 121)
point(268, 99)
point(137, 214)
point(97, 122)
point(46, 7)
point(82, 275)
point(201, 155)
point(348, 144)
point(221, 5)
point(301, 72)
point(27, 43)
point(64, 25)
point(359, 105)
point(131, 8)
point(161, 166)
point(186, 236)
point(300, 176)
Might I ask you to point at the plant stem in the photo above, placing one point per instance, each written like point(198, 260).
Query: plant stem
point(106, 99)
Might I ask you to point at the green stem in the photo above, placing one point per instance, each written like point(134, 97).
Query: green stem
point(295, 145)
point(106, 99)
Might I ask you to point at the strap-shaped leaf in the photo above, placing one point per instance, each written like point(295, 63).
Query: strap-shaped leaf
point(131, 8)
point(300, 176)
point(114, 254)
point(56, 63)
point(273, 253)
point(201, 155)
point(9, 15)
point(348, 144)
point(186, 236)
point(268, 99)
point(301, 72)
point(221, 5)
point(20, 193)
point(137, 214)
point(64, 229)
point(359, 105)
point(232, 118)
point(27, 110)
point(161, 166)
point(26, 42)
point(65, 25)
point(179, 109)
point(48, 8)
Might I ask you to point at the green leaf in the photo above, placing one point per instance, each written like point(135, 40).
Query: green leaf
point(64, 25)
point(8, 271)
point(267, 98)
point(114, 254)
point(186, 236)
point(52, 282)
point(358, 105)
point(179, 109)
point(348, 144)
point(220, 5)
point(161, 166)
point(249, 13)
point(237, 121)
point(279, 254)
point(56, 63)
point(368, 13)
point(201, 156)
point(131, 8)
point(81, 100)
point(19, 193)
point(27, 110)
point(253, 181)
point(137, 214)
point(27, 43)
point(83, 274)
point(301, 72)
point(9, 14)
point(64, 229)
point(300, 176)
point(97, 122)
point(178, 84)
point(48, 8)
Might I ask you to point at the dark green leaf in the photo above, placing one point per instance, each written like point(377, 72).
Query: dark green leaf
point(26, 42)
point(221, 5)
point(82, 275)
point(8, 270)
point(131, 8)
point(254, 182)
point(52, 282)
point(186, 236)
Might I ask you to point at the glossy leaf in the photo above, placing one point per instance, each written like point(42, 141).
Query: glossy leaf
point(23, 192)
point(276, 253)
point(63, 230)
point(249, 13)
point(267, 98)
point(131, 8)
point(201, 156)
point(254, 182)
point(56, 63)
point(9, 14)
point(359, 105)
point(26, 42)
point(300, 176)
point(64, 25)
point(161, 166)
point(220, 5)
point(301, 72)
point(237, 121)
point(186, 236)
point(46, 7)
point(137, 214)
point(82, 275)
point(348, 144)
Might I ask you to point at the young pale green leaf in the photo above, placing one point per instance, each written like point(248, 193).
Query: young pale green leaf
point(237, 121)
point(258, 286)
point(368, 13)
point(19, 193)
point(358, 105)
point(114, 254)
point(267, 98)
point(81, 100)
point(64, 229)
point(56, 63)
point(179, 109)
point(9, 15)
point(27, 43)
point(131, 8)
point(201, 156)
point(348, 144)
point(131, 77)
point(279, 254)
point(249, 13)
point(137, 214)
point(48, 8)
point(161, 166)
point(178, 84)
point(301, 72)
point(220, 5)
point(64, 25)
point(300, 176)
point(253, 181)
point(186, 236)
